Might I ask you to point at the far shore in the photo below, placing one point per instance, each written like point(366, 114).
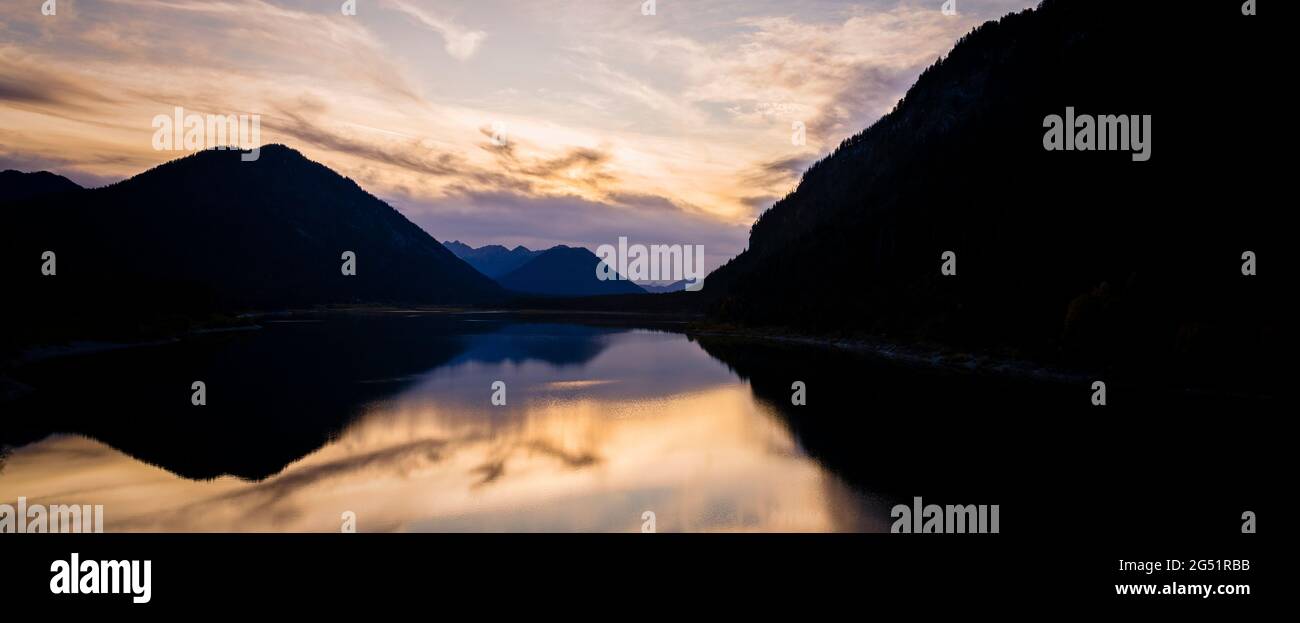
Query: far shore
point(928, 356)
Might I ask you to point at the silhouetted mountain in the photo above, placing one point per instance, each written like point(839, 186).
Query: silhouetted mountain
point(16, 185)
point(676, 286)
point(210, 232)
point(565, 271)
point(568, 272)
point(492, 260)
point(1086, 255)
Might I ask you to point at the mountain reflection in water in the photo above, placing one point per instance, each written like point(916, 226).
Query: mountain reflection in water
point(394, 417)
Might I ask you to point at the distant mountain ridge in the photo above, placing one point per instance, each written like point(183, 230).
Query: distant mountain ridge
point(492, 260)
point(16, 185)
point(565, 271)
point(676, 286)
point(558, 271)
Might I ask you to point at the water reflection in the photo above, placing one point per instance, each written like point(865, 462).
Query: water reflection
point(600, 425)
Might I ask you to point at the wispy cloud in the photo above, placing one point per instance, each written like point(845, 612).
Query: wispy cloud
point(675, 127)
point(460, 42)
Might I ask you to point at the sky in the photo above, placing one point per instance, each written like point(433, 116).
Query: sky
point(534, 122)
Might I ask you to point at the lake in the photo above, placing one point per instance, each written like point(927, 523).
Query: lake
point(388, 416)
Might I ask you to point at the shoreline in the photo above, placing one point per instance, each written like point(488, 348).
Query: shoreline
point(937, 357)
point(928, 356)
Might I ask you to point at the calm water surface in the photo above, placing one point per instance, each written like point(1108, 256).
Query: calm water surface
point(390, 417)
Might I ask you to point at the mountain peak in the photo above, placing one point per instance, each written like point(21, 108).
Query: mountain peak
point(17, 185)
point(493, 260)
point(565, 271)
point(286, 219)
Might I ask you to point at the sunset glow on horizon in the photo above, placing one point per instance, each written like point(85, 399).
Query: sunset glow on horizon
point(674, 127)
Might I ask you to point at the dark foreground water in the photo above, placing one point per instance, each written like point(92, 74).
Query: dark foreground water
point(389, 416)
